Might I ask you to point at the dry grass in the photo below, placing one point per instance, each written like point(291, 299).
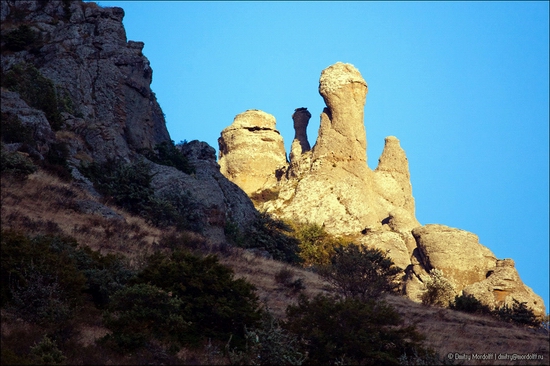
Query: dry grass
point(450, 331)
point(44, 204)
point(261, 272)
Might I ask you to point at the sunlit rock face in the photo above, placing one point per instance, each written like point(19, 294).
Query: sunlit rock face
point(251, 151)
point(330, 184)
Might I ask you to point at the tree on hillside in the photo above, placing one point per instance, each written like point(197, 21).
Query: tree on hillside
point(361, 272)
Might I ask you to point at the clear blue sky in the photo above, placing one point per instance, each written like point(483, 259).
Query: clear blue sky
point(463, 85)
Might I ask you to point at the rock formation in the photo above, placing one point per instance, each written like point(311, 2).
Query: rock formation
point(300, 144)
point(217, 200)
point(331, 185)
point(251, 151)
point(101, 82)
point(103, 79)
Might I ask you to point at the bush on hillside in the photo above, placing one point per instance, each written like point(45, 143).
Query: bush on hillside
point(44, 277)
point(439, 291)
point(361, 272)
point(518, 313)
point(12, 130)
point(316, 246)
point(351, 331)
point(268, 344)
point(167, 153)
point(270, 234)
point(469, 304)
point(21, 38)
point(128, 185)
point(141, 312)
point(218, 304)
point(38, 91)
point(46, 352)
point(39, 276)
point(16, 165)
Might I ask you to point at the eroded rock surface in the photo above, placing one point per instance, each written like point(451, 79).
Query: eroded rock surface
point(332, 185)
point(102, 79)
point(251, 151)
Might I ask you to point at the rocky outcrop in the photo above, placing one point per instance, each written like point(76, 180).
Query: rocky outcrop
point(215, 200)
point(31, 119)
point(300, 144)
point(252, 151)
point(342, 135)
point(331, 185)
point(100, 83)
point(102, 79)
point(502, 286)
point(457, 253)
point(392, 181)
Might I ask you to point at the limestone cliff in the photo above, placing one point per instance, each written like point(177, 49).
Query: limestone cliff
point(331, 185)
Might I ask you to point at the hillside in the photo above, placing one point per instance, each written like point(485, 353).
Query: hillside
point(121, 247)
point(45, 204)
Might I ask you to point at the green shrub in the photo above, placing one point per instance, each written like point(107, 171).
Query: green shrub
point(45, 277)
point(55, 161)
point(518, 313)
point(273, 235)
point(47, 353)
point(361, 272)
point(351, 331)
point(469, 304)
point(218, 304)
point(16, 165)
point(39, 276)
point(181, 210)
point(166, 153)
point(105, 274)
point(316, 245)
point(141, 312)
point(12, 130)
point(285, 277)
point(268, 344)
point(35, 89)
point(129, 186)
point(20, 38)
point(439, 291)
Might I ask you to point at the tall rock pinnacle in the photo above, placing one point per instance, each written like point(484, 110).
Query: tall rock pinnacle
point(342, 131)
point(300, 144)
point(331, 185)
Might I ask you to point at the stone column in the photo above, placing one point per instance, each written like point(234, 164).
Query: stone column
point(300, 144)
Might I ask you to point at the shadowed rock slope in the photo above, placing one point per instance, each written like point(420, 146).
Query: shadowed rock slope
point(70, 77)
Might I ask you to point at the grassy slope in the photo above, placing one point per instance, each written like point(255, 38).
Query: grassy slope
point(43, 204)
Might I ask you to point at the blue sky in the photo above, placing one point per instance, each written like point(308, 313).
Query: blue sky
point(463, 85)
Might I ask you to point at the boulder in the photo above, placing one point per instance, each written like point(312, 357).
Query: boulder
point(456, 252)
point(502, 286)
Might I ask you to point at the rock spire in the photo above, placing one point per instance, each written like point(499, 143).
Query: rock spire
point(331, 185)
